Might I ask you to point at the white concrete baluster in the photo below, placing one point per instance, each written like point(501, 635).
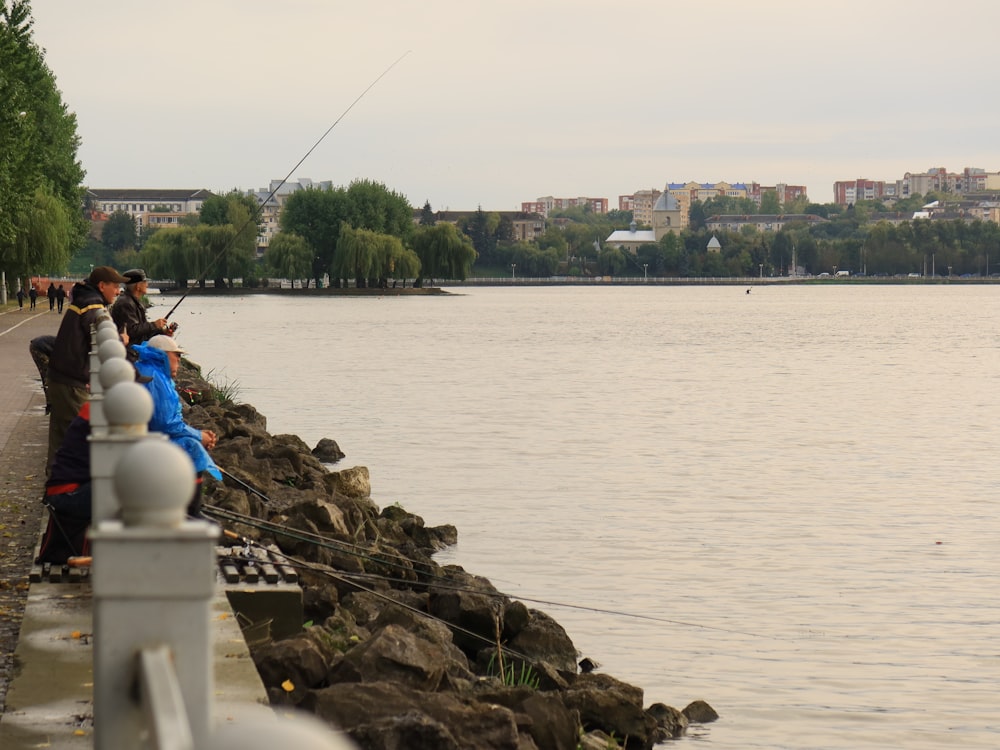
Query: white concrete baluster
point(153, 584)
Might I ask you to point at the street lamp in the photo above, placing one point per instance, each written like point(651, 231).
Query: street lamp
point(645, 276)
point(512, 267)
point(761, 269)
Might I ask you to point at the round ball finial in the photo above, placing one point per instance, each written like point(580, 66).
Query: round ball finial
point(116, 370)
point(106, 333)
point(128, 407)
point(111, 348)
point(154, 480)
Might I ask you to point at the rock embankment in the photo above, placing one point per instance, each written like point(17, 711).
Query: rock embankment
point(397, 650)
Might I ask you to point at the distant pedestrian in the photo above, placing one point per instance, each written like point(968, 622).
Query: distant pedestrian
point(20, 298)
point(52, 296)
point(60, 297)
point(33, 296)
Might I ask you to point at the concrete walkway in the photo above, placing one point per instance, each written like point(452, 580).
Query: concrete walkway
point(49, 701)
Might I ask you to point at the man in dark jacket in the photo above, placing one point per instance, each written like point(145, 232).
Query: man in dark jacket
point(69, 363)
point(129, 313)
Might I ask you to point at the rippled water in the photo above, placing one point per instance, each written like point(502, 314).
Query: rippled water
point(789, 496)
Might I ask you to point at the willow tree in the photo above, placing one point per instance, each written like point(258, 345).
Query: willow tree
point(444, 252)
point(289, 256)
point(174, 253)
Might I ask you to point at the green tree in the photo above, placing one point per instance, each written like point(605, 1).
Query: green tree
point(119, 232)
point(427, 215)
point(444, 252)
point(175, 253)
point(38, 150)
point(769, 203)
point(289, 256)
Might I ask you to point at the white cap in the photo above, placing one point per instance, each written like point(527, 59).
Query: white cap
point(165, 344)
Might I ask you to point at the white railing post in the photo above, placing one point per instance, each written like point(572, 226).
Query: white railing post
point(153, 582)
point(106, 443)
point(104, 331)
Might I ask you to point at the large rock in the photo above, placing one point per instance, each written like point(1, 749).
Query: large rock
point(327, 451)
point(383, 716)
point(613, 707)
point(544, 639)
point(353, 482)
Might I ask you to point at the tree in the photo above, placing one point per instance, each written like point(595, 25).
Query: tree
point(174, 253)
point(769, 203)
point(288, 256)
point(118, 232)
point(444, 252)
point(427, 215)
point(38, 148)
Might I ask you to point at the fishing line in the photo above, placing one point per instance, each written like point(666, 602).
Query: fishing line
point(253, 217)
point(444, 583)
point(346, 578)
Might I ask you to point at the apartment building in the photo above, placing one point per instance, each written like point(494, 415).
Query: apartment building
point(544, 206)
point(272, 199)
point(688, 192)
point(763, 222)
point(147, 207)
point(935, 179)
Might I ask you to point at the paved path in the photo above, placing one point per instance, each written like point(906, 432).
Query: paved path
point(23, 446)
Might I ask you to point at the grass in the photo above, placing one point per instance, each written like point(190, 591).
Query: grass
point(225, 389)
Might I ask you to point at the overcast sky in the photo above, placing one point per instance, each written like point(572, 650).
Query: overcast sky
point(499, 102)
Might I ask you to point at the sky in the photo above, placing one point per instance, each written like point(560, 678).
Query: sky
point(494, 103)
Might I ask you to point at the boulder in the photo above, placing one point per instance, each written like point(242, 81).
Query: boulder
point(382, 716)
point(327, 451)
point(673, 722)
point(699, 712)
point(613, 707)
point(353, 482)
point(544, 639)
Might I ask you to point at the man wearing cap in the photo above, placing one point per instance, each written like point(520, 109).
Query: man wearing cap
point(129, 313)
point(160, 359)
point(69, 363)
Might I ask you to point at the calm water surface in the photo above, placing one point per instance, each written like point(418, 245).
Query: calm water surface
point(789, 496)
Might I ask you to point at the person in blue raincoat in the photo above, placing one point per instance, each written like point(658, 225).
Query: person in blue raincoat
point(159, 358)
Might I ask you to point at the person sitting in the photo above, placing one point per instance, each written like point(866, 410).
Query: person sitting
point(40, 349)
point(129, 313)
point(67, 495)
point(159, 359)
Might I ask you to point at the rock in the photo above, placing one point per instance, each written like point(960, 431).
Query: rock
point(612, 706)
point(353, 482)
point(328, 451)
point(699, 712)
point(673, 723)
point(383, 716)
point(299, 662)
point(544, 639)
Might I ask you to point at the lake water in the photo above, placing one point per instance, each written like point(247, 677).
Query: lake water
point(783, 502)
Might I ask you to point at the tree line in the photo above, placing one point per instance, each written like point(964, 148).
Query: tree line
point(40, 177)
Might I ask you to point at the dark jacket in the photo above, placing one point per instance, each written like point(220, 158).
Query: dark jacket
point(69, 363)
point(128, 313)
point(72, 461)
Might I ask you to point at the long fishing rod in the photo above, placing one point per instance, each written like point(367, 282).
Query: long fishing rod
point(441, 582)
point(225, 248)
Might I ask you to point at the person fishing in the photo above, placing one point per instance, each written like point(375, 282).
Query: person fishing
point(129, 313)
point(159, 359)
point(69, 362)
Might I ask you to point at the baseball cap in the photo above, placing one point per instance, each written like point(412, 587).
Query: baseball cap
point(165, 344)
point(105, 273)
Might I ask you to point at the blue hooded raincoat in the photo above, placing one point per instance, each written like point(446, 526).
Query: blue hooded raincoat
point(167, 416)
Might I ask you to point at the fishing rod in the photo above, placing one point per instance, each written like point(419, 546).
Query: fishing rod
point(442, 582)
point(245, 486)
point(253, 218)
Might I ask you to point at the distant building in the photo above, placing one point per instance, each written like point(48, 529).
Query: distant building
point(936, 179)
point(630, 239)
point(272, 199)
point(786, 193)
point(544, 206)
point(763, 222)
point(148, 207)
point(688, 192)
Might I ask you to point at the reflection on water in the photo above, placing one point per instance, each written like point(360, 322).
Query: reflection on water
point(792, 492)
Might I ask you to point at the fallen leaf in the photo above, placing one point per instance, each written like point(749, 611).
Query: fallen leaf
point(288, 686)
